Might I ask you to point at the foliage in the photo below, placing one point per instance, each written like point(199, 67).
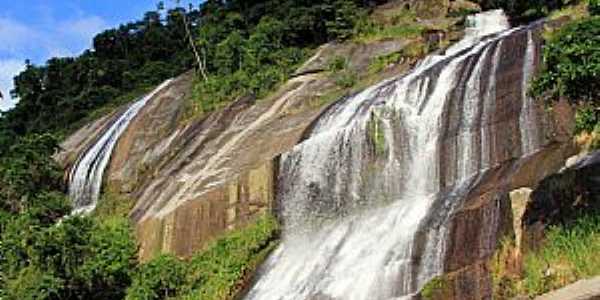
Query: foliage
point(32, 283)
point(381, 62)
point(594, 7)
point(436, 288)
point(225, 263)
point(377, 134)
point(76, 258)
point(113, 204)
point(337, 63)
point(161, 278)
point(217, 272)
point(250, 48)
point(570, 253)
point(572, 63)
point(27, 170)
point(399, 24)
point(586, 119)
point(250, 65)
point(571, 12)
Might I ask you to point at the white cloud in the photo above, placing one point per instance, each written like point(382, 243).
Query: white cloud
point(15, 37)
point(83, 28)
point(20, 41)
point(8, 69)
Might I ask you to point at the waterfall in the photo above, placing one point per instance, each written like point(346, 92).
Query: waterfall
point(365, 200)
point(87, 173)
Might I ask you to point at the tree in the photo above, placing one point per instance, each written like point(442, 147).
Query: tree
point(572, 63)
point(201, 62)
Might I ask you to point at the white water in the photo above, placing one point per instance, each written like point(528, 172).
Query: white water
point(528, 119)
point(359, 225)
point(86, 175)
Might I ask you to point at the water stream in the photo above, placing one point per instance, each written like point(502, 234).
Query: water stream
point(365, 199)
point(87, 173)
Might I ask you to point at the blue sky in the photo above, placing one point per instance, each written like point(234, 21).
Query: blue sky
point(40, 29)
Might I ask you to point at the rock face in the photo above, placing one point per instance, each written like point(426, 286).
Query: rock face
point(409, 179)
point(486, 213)
point(193, 180)
point(560, 197)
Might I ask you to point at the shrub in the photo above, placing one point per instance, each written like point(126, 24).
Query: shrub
point(594, 7)
point(337, 64)
point(586, 119)
point(33, 284)
point(572, 63)
point(161, 278)
point(218, 272)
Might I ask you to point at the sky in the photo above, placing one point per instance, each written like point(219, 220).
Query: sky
point(41, 29)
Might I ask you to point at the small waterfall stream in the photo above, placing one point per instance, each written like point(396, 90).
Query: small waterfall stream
point(365, 199)
point(87, 173)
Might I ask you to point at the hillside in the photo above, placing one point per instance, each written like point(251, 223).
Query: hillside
point(316, 139)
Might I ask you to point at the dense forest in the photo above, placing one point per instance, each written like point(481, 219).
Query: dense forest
point(239, 48)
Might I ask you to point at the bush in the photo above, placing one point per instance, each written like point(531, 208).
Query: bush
point(32, 284)
point(586, 119)
point(572, 64)
point(594, 7)
point(218, 272)
point(79, 258)
point(161, 278)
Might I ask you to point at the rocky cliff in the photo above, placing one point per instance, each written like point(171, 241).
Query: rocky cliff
point(193, 179)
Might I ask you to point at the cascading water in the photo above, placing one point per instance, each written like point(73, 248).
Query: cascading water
point(365, 200)
point(86, 175)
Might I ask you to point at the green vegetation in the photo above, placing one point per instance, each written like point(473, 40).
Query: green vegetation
point(218, 272)
point(504, 279)
point(45, 254)
point(572, 63)
point(399, 23)
point(570, 253)
point(113, 204)
point(251, 48)
point(436, 288)
point(586, 118)
point(594, 7)
point(376, 134)
point(379, 63)
point(572, 67)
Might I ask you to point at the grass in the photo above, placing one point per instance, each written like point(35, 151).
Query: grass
point(381, 62)
point(397, 23)
point(569, 253)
